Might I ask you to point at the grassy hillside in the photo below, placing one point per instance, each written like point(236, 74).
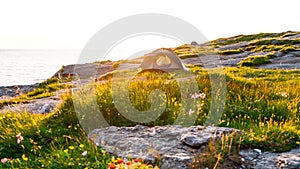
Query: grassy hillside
point(266, 44)
point(264, 104)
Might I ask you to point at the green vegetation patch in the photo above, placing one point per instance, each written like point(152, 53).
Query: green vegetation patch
point(232, 51)
point(45, 89)
point(246, 38)
point(189, 51)
point(254, 61)
point(274, 41)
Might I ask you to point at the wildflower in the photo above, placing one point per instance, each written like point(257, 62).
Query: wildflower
point(81, 145)
point(71, 147)
point(136, 160)
point(191, 112)
point(196, 96)
point(128, 163)
point(19, 138)
point(4, 160)
point(66, 150)
point(24, 157)
point(113, 159)
point(84, 153)
point(112, 166)
point(202, 95)
point(120, 161)
point(283, 94)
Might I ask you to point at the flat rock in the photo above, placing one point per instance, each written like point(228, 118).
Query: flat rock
point(38, 106)
point(7, 92)
point(175, 146)
point(285, 66)
point(268, 160)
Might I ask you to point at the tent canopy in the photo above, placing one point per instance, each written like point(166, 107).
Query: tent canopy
point(162, 59)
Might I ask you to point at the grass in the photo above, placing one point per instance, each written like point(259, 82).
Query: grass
point(271, 48)
point(45, 89)
point(254, 61)
point(246, 38)
point(274, 41)
point(55, 140)
point(230, 52)
point(264, 104)
point(188, 51)
point(220, 153)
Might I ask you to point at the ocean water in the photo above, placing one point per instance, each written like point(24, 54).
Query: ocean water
point(23, 67)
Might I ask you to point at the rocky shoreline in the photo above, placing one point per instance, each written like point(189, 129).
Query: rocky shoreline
point(7, 92)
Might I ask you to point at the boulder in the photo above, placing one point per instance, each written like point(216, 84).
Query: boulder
point(175, 146)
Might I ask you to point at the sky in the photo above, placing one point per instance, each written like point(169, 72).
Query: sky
point(34, 24)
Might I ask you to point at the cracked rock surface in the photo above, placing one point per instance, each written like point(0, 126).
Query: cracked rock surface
point(175, 146)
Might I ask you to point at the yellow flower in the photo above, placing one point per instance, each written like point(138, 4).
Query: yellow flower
point(66, 150)
point(71, 147)
point(81, 145)
point(24, 157)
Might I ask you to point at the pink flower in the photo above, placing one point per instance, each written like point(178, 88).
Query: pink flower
point(196, 96)
point(191, 112)
point(19, 138)
point(84, 153)
point(4, 160)
point(202, 95)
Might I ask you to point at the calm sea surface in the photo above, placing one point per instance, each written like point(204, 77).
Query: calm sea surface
point(21, 67)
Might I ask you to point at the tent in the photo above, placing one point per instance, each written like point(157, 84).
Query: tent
point(162, 59)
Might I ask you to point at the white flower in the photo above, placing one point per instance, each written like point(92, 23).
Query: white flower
point(283, 94)
point(191, 112)
point(84, 153)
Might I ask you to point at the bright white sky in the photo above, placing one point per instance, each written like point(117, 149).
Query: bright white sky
point(57, 24)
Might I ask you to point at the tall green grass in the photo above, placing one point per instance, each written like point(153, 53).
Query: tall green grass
point(264, 104)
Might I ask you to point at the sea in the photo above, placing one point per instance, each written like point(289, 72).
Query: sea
point(24, 67)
